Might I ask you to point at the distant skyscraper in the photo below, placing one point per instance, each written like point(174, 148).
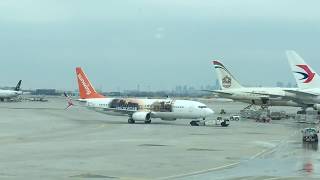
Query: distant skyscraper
point(217, 85)
point(138, 87)
point(280, 84)
point(289, 85)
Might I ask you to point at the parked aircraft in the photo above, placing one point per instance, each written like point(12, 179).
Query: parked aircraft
point(263, 96)
point(9, 94)
point(308, 82)
point(139, 109)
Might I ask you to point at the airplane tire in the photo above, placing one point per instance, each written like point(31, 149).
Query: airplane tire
point(131, 121)
point(194, 123)
point(147, 122)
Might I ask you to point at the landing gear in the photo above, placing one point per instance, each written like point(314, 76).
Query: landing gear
point(196, 123)
point(249, 107)
point(303, 110)
point(265, 106)
point(131, 121)
point(147, 121)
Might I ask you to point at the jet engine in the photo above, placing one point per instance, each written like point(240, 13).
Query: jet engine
point(316, 107)
point(141, 116)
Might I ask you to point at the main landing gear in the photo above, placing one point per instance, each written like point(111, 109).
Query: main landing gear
point(131, 121)
point(302, 111)
point(147, 121)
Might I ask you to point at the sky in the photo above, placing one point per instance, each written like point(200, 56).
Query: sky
point(157, 44)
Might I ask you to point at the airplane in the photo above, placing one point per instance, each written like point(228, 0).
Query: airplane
point(308, 81)
point(9, 94)
point(138, 109)
point(262, 96)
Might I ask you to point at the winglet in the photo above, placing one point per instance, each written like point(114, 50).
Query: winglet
point(86, 90)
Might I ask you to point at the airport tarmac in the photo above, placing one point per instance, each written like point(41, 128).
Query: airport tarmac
point(41, 140)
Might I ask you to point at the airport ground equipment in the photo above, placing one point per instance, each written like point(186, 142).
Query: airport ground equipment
point(308, 117)
point(222, 122)
point(254, 113)
point(235, 118)
point(278, 115)
point(310, 135)
point(264, 119)
point(223, 111)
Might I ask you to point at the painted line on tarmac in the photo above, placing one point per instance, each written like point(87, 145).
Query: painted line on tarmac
point(272, 150)
point(262, 153)
point(288, 177)
point(199, 172)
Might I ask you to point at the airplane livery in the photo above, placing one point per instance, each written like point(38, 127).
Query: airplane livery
point(308, 75)
point(263, 96)
point(308, 91)
point(138, 109)
point(9, 94)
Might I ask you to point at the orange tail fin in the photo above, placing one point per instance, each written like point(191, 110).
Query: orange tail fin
point(86, 90)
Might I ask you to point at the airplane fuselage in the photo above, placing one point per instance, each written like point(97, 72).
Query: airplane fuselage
point(4, 94)
point(260, 96)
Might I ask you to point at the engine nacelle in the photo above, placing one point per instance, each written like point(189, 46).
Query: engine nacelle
point(141, 116)
point(316, 107)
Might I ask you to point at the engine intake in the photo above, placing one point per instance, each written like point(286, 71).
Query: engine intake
point(316, 107)
point(141, 116)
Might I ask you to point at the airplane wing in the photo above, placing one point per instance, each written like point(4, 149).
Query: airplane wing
point(266, 95)
point(302, 93)
point(217, 92)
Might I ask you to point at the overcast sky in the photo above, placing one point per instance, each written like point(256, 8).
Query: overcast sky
point(154, 43)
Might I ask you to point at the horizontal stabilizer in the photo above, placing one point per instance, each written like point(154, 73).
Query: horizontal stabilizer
point(302, 93)
point(217, 92)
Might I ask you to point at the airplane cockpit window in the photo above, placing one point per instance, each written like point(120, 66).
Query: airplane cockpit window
point(202, 107)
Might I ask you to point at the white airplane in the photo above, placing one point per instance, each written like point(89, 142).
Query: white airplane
point(139, 109)
point(308, 82)
point(9, 94)
point(263, 96)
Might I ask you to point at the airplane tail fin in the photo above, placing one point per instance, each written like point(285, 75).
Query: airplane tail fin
point(86, 90)
point(226, 79)
point(18, 87)
point(304, 75)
